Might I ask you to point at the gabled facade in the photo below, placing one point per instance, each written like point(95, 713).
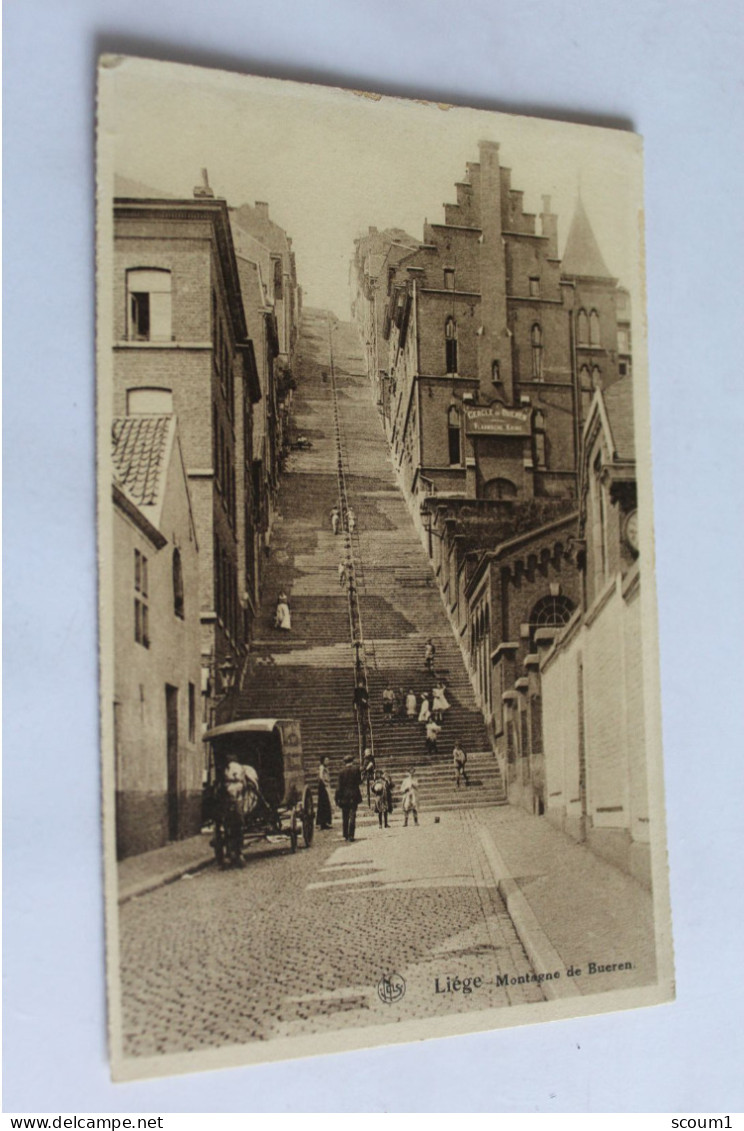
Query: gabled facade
point(491, 344)
point(156, 638)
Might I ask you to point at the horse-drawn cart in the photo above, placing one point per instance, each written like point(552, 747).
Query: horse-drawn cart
point(257, 786)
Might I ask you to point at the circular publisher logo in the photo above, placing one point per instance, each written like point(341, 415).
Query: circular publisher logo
point(391, 988)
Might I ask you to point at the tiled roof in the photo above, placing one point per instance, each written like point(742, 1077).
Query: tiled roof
point(582, 255)
point(139, 448)
point(618, 401)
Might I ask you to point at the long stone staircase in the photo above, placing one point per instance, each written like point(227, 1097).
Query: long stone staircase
point(308, 673)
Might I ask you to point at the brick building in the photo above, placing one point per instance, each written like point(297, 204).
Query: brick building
point(270, 415)
point(181, 346)
point(281, 280)
point(375, 255)
point(494, 344)
point(156, 626)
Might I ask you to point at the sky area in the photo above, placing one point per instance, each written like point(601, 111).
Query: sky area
point(332, 162)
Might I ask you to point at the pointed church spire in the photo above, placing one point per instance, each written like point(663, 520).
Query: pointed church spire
point(582, 255)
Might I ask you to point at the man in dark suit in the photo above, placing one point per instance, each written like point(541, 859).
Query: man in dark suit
point(349, 794)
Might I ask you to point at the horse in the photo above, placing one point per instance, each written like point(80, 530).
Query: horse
point(236, 798)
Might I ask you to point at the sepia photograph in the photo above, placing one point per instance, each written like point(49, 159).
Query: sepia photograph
point(379, 674)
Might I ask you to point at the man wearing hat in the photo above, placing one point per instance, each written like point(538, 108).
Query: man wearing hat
point(349, 794)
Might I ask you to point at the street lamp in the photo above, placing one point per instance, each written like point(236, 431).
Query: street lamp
point(228, 671)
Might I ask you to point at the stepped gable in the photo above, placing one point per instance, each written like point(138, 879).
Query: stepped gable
point(582, 255)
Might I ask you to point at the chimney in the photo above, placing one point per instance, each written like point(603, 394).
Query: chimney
point(262, 209)
point(203, 191)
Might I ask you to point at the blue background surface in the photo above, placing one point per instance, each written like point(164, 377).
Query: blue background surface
point(671, 71)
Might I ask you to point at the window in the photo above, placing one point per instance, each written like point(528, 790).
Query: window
point(534, 286)
point(149, 401)
point(141, 614)
point(539, 455)
point(453, 435)
point(594, 336)
point(596, 377)
point(623, 369)
point(449, 279)
point(549, 612)
point(192, 713)
point(178, 601)
point(582, 328)
point(623, 341)
point(495, 373)
point(537, 351)
point(278, 279)
point(450, 345)
point(149, 305)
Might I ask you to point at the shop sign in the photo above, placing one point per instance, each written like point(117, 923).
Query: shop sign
point(497, 420)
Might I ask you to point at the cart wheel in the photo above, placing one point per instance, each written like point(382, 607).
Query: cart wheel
point(294, 832)
point(308, 816)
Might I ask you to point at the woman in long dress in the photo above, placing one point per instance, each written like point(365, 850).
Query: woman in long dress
point(439, 702)
point(425, 712)
point(282, 617)
point(325, 812)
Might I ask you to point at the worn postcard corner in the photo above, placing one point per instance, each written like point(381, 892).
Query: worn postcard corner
point(379, 673)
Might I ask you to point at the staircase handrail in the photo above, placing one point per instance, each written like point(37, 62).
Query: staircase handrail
point(365, 736)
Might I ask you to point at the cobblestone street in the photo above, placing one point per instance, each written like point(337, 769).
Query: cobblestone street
point(327, 924)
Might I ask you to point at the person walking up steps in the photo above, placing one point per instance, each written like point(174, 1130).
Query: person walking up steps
point(388, 702)
point(342, 574)
point(334, 520)
point(411, 704)
point(425, 712)
point(439, 702)
point(409, 788)
point(430, 652)
point(351, 520)
point(459, 760)
point(433, 730)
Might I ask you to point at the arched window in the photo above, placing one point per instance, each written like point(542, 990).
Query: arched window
point(149, 400)
point(596, 377)
point(178, 602)
point(453, 435)
point(499, 489)
point(582, 328)
point(450, 345)
point(537, 351)
point(594, 336)
point(149, 305)
point(550, 612)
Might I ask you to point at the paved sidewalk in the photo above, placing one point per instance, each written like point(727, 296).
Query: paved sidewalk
point(570, 907)
point(150, 870)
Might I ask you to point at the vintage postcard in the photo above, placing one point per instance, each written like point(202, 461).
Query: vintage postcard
point(379, 675)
